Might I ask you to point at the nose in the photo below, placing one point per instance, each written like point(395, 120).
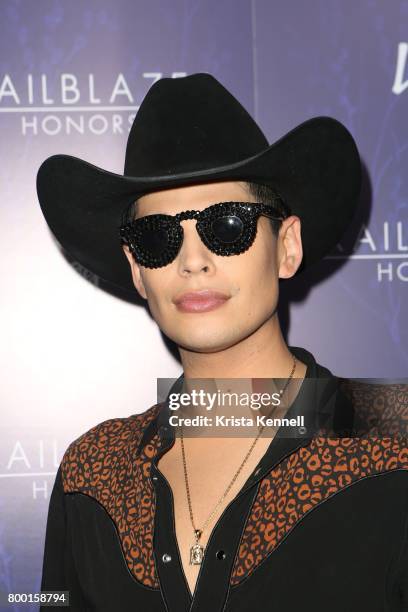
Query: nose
point(193, 255)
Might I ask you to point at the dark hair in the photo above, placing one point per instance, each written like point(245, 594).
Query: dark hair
point(262, 193)
point(269, 195)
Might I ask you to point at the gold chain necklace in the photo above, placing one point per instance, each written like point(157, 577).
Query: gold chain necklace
point(197, 550)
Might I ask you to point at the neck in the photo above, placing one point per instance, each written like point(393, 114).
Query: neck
point(263, 354)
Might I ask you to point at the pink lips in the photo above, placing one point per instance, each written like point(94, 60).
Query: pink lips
point(200, 301)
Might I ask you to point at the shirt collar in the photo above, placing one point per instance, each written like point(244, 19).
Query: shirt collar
point(314, 400)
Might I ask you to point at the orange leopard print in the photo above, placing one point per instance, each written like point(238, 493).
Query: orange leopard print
point(301, 482)
point(325, 466)
point(104, 464)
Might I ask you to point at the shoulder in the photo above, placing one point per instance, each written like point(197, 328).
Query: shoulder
point(364, 431)
point(102, 448)
point(380, 407)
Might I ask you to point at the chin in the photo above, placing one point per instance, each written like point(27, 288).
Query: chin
point(206, 342)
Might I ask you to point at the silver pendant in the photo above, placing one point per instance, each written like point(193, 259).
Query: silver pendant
point(196, 554)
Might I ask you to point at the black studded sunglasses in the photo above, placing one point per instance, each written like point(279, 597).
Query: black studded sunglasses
point(226, 228)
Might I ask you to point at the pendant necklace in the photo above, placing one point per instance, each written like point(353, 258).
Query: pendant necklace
point(197, 549)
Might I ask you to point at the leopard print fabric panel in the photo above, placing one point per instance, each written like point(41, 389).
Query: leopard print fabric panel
point(301, 482)
point(325, 466)
point(383, 409)
point(104, 464)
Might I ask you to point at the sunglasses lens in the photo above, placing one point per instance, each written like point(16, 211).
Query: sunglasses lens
point(227, 229)
point(153, 242)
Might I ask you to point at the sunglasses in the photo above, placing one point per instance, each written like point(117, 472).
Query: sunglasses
point(226, 228)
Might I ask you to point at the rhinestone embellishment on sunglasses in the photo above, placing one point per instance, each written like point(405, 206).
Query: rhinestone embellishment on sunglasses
point(226, 228)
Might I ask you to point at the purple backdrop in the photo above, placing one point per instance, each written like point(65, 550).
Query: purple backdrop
point(72, 75)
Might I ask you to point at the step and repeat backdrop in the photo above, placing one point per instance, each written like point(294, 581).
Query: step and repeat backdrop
point(72, 77)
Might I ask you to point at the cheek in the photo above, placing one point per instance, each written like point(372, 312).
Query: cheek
point(258, 266)
point(259, 278)
point(254, 274)
point(262, 293)
point(154, 284)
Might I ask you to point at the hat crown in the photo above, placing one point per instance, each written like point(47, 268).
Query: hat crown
point(188, 124)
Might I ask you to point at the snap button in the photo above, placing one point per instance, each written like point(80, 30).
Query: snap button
point(220, 554)
point(302, 430)
point(257, 471)
point(166, 558)
point(154, 477)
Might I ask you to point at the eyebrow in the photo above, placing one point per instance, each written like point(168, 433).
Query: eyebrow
point(154, 212)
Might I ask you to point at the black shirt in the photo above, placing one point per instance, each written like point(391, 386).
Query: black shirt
point(321, 524)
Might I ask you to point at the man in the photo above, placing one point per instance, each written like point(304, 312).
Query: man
point(211, 218)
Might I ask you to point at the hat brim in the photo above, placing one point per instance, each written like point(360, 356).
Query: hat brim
point(316, 167)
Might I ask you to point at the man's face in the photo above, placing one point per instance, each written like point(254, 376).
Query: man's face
point(250, 279)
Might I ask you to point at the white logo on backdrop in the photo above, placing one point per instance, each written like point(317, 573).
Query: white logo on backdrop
point(399, 84)
point(33, 465)
point(387, 248)
point(77, 107)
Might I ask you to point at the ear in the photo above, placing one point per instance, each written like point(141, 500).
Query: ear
point(289, 247)
point(136, 272)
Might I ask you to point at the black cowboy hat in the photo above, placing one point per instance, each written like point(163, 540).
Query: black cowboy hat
point(191, 129)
